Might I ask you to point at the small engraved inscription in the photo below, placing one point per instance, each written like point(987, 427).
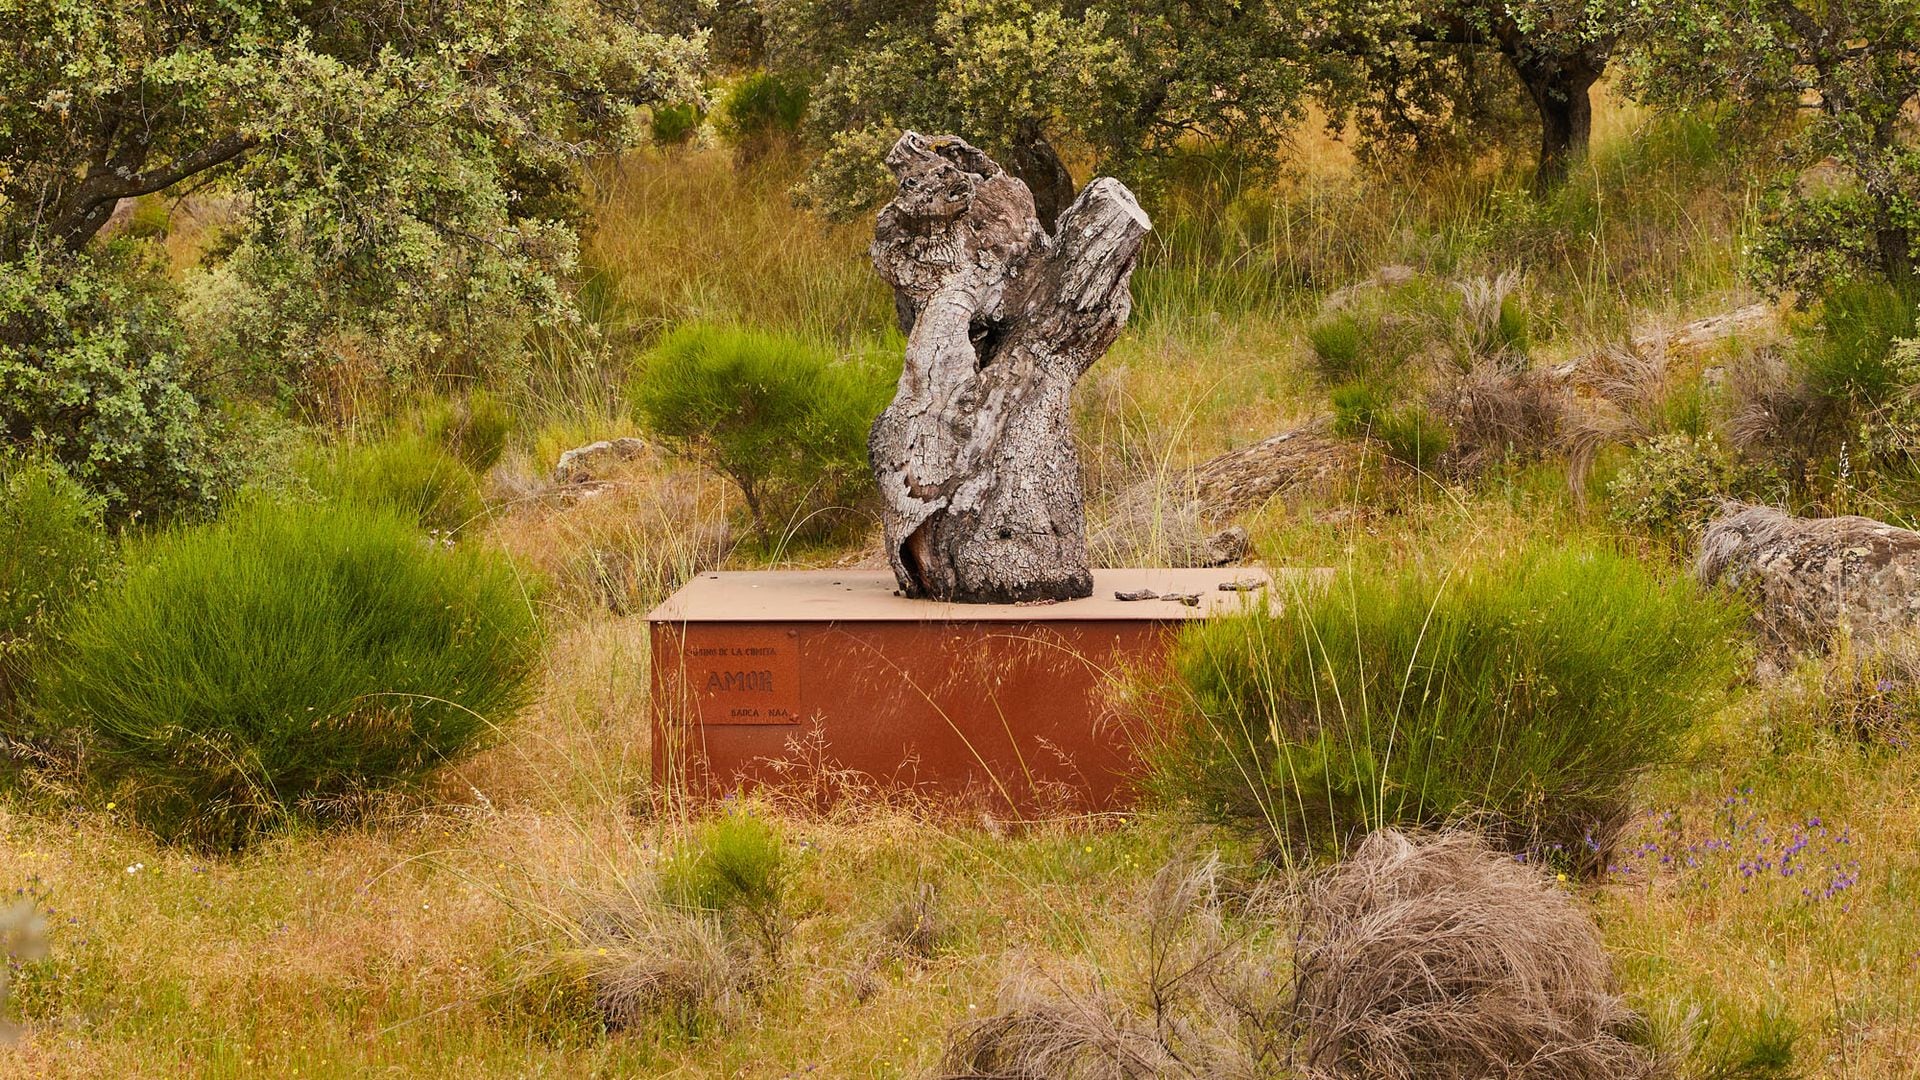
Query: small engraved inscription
point(744, 675)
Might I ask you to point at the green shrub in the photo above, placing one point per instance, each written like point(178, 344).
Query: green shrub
point(412, 475)
point(674, 125)
point(1891, 435)
point(52, 549)
point(735, 861)
point(734, 868)
point(93, 373)
point(1337, 345)
point(1525, 691)
point(780, 417)
point(151, 218)
point(475, 429)
point(1672, 485)
point(760, 110)
point(282, 661)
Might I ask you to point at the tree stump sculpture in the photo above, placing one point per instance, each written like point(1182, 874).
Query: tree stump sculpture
point(975, 455)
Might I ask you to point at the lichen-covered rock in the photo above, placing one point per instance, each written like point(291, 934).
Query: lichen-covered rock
point(590, 462)
point(1810, 576)
point(1182, 519)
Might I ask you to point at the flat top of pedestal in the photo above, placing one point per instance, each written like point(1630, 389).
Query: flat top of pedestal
point(869, 596)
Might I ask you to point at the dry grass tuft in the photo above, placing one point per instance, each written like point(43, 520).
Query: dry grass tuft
point(1204, 1001)
point(1623, 390)
point(645, 962)
point(1498, 410)
point(1436, 958)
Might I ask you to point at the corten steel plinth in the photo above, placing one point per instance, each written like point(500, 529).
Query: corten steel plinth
point(827, 680)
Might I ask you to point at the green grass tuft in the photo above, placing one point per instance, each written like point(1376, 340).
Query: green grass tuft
point(414, 476)
point(1524, 691)
point(284, 660)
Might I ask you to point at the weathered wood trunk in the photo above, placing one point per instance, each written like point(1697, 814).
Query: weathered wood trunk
point(975, 455)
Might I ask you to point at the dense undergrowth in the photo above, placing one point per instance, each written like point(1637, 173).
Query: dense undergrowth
point(1510, 644)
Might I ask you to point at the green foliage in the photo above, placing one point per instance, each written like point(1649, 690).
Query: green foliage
point(475, 428)
point(1756, 1046)
point(675, 125)
point(151, 219)
point(1338, 345)
point(405, 185)
point(733, 862)
point(1672, 484)
point(285, 660)
point(52, 551)
point(1524, 690)
point(1891, 436)
point(1845, 207)
point(733, 869)
point(412, 476)
point(784, 419)
point(94, 373)
point(759, 110)
point(1021, 80)
point(1433, 82)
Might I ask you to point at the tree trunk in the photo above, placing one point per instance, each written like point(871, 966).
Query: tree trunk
point(1896, 258)
point(1562, 95)
point(1037, 164)
point(975, 455)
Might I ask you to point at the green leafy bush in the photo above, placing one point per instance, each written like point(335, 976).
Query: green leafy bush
point(674, 125)
point(412, 475)
point(782, 418)
point(1891, 436)
point(93, 372)
point(1672, 484)
point(1851, 358)
point(1526, 691)
point(282, 661)
point(52, 550)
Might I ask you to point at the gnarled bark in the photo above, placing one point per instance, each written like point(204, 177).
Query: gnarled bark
point(975, 455)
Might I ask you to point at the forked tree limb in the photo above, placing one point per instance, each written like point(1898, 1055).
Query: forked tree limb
point(975, 455)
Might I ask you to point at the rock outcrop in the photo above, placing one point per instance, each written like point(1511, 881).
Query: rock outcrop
point(1811, 576)
point(1184, 519)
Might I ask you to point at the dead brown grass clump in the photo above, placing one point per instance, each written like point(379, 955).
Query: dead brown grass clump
point(1437, 958)
point(645, 961)
point(1497, 411)
point(1203, 998)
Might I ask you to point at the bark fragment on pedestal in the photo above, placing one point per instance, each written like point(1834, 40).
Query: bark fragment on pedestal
point(979, 476)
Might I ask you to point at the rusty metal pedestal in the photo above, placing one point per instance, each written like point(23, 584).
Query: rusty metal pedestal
point(826, 681)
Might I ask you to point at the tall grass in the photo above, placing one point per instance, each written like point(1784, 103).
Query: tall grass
point(284, 661)
point(1526, 691)
point(693, 238)
point(1651, 220)
point(53, 549)
point(412, 475)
